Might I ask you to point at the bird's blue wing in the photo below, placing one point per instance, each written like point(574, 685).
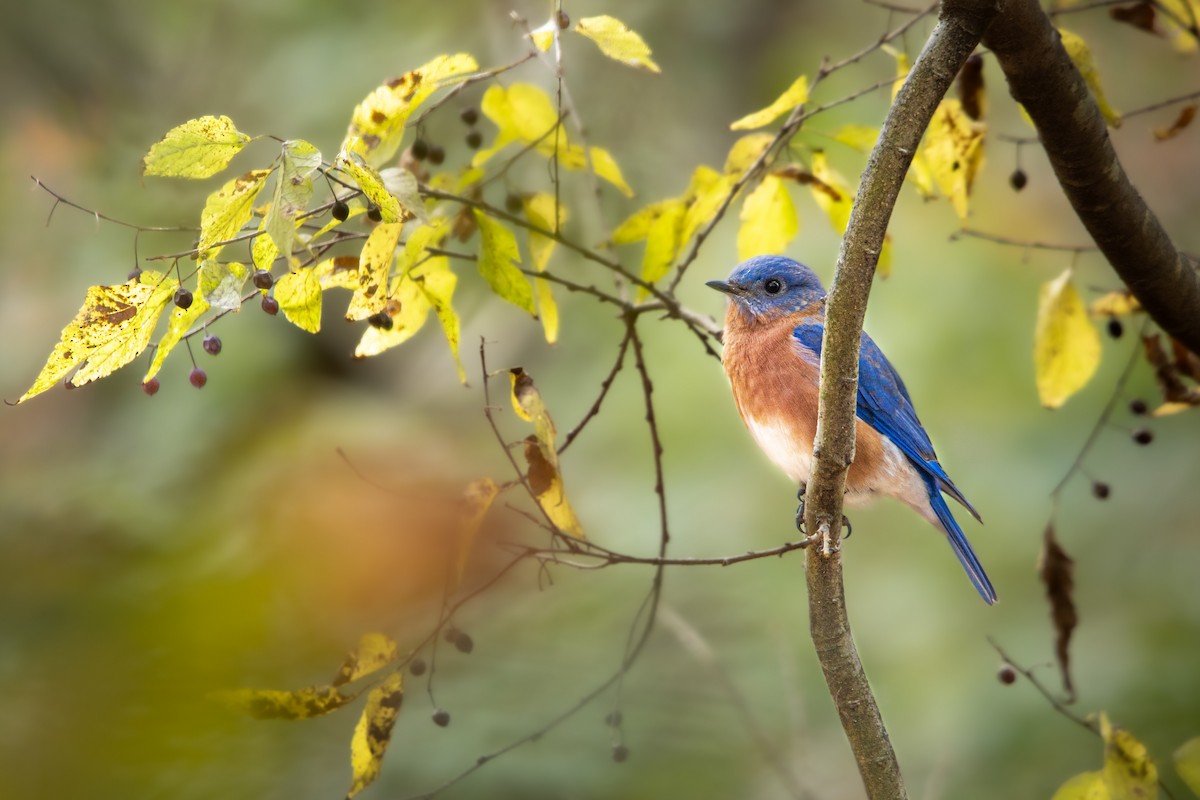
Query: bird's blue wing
point(884, 404)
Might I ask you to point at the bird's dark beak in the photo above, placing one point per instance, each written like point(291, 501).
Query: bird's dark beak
point(727, 288)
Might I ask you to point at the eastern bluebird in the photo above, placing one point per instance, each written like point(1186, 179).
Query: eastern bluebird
point(773, 332)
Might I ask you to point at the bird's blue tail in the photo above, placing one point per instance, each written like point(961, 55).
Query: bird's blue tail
point(962, 547)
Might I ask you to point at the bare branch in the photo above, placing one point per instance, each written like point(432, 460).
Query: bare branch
point(1042, 78)
point(960, 26)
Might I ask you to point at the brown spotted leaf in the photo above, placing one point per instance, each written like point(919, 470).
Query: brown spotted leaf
point(374, 652)
point(970, 88)
point(311, 701)
point(373, 733)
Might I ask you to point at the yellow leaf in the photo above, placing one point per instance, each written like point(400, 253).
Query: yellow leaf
point(528, 404)
point(922, 176)
point(198, 148)
point(954, 152)
point(883, 267)
point(498, 255)
point(1115, 304)
point(227, 210)
point(636, 226)
point(857, 137)
point(112, 328)
point(375, 264)
point(339, 272)
point(745, 151)
point(617, 41)
point(539, 210)
point(221, 283)
point(1129, 771)
point(605, 167)
point(831, 192)
point(436, 283)
point(1187, 764)
point(477, 499)
point(374, 731)
point(547, 484)
point(371, 183)
point(263, 251)
point(378, 123)
point(543, 36)
point(547, 306)
point(1169, 408)
point(180, 322)
point(407, 308)
point(1183, 39)
point(1066, 347)
point(1084, 786)
point(1081, 55)
point(663, 243)
point(794, 95)
point(293, 190)
point(299, 296)
point(312, 701)
point(902, 68)
point(708, 191)
point(769, 220)
point(374, 652)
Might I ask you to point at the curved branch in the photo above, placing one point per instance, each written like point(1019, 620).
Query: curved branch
point(960, 26)
point(1042, 78)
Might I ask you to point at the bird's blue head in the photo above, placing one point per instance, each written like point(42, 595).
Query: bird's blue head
point(767, 287)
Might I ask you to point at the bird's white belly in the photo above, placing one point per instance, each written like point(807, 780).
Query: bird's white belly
point(783, 447)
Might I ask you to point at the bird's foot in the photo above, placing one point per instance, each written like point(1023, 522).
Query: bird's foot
point(823, 534)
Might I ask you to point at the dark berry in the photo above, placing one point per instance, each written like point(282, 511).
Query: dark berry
point(420, 149)
point(620, 753)
point(464, 643)
point(198, 378)
point(211, 344)
point(150, 387)
point(183, 298)
point(374, 213)
point(1115, 328)
point(340, 211)
point(1138, 406)
point(135, 274)
point(417, 667)
point(1143, 436)
point(474, 140)
point(441, 717)
point(270, 305)
point(381, 320)
point(262, 279)
point(1007, 674)
point(436, 154)
point(564, 21)
point(470, 115)
point(1101, 490)
point(513, 204)
point(451, 634)
point(1018, 179)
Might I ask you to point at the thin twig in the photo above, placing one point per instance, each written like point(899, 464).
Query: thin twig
point(605, 385)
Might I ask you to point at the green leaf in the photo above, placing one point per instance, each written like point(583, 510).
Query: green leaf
point(617, 41)
point(794, 95)
point(1066, 346)
point(227, 210)
point(293, 190)
point(374, 731)
point(373, 187)
point(221, 283)
point(179, 323)
point(198, 148)
point(1187, 764)
point(497, 256)
point(112, 328)
point(374, 266)
point(539, 210)
point(769, 221)
point(1129, 771)
point(299, 296)
point(378, 123)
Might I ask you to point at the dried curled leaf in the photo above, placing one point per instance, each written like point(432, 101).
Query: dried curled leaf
point(1182, 121)
point(617, 41)
point(198, 148)
point(970, 87)
point(373, 733)
point(1066, 346)
point(1056, 569)
point(1170, 374)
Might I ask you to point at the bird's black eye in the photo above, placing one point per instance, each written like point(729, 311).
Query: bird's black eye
point(773, 286)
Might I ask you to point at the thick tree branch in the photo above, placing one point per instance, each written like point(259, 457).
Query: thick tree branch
point(1042, 78)
point(960, 26)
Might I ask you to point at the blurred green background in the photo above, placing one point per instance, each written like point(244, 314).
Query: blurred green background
point(152, 550)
